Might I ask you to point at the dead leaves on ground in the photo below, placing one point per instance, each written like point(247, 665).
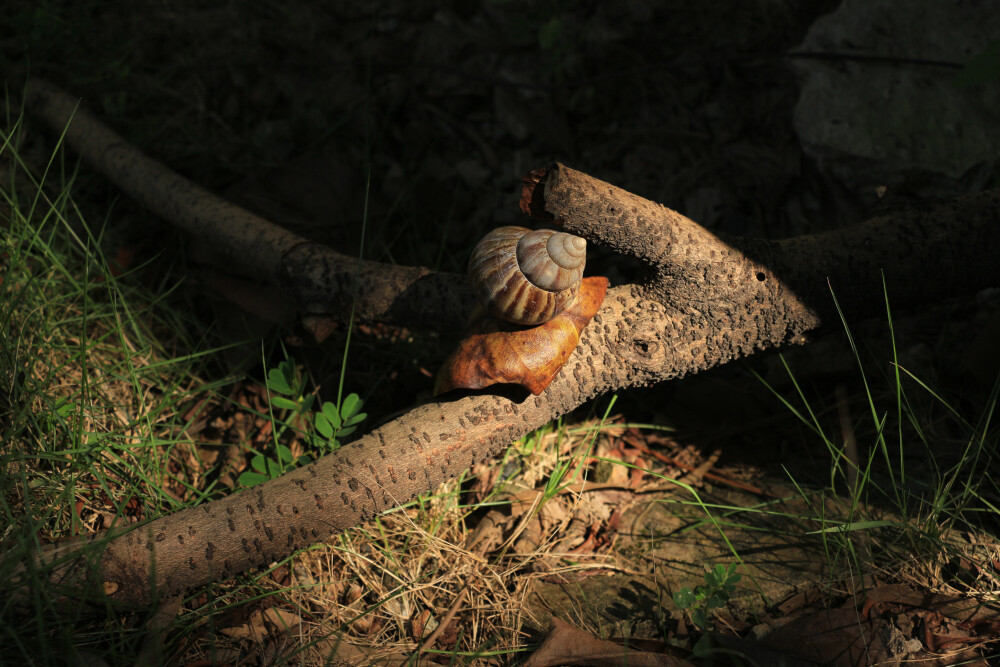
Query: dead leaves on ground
point(347, 614)
point(579, 522)
point(268, 634)
point(566, 645)
point(891, 625)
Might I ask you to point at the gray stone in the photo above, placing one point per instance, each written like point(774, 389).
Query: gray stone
point(885, 102)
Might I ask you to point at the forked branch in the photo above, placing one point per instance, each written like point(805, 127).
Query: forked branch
point(711, 300)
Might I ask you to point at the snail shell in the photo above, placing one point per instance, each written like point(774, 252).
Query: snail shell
point(527, 277)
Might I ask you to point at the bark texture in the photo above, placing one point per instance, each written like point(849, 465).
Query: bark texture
point(710, 300)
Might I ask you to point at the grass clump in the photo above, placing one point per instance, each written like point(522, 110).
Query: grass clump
point(910, 476)
point(96, 376)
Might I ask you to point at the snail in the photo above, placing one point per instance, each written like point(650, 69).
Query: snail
point(533, 281)
point(527, 277)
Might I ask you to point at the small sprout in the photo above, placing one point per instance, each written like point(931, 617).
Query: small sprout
point(330, 424)
point(720, 583)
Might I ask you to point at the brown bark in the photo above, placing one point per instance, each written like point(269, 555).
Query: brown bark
point(322, 281)
point(709, 300)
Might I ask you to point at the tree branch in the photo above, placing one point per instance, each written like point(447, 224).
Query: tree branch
point(711, 300)
point(940, 249)
point(321, 280)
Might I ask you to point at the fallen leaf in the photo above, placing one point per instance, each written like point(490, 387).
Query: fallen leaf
point(420, 623)
point(958, 607)
point(262, 623)
point(840, 637)
point(254, 629)
point(755, 653)
point(320, 326)
point(283, 621)
point(566, 645)
point(335, 651)
point(495, 352)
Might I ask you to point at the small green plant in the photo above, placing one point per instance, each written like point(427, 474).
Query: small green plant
point(333, 423)
point(330, 424)
point(265, 468)
point(700, 602)
point(287, 381)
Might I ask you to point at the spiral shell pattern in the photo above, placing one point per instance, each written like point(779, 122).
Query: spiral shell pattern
point(527, 277)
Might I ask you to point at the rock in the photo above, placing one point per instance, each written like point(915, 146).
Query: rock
point(881, 98)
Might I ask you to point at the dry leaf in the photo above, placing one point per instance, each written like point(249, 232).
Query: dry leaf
point(338, 652)
point(283, 621)
point(263, 623)
point(958, 607)
point(840, 637)
point(254, 629)
point(566, 645)
point(495, 352)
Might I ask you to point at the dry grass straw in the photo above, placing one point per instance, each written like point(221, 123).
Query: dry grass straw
point(419, 579)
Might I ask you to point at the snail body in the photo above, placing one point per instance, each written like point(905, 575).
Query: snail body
point(527, 277)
